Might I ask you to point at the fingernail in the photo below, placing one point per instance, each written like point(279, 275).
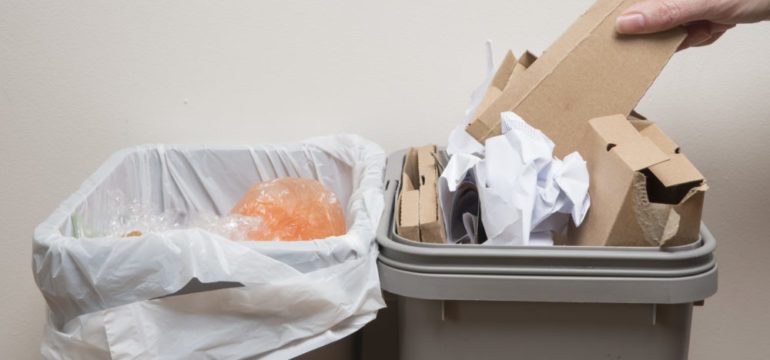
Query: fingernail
point(630, 23)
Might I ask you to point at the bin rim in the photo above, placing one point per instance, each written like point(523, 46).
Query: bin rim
point(692, 264)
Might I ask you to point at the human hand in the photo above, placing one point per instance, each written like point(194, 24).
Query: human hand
point(705, 20)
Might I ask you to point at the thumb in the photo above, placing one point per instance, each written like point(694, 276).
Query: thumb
point(651, 16)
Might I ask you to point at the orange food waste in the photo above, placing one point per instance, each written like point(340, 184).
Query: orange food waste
point(292, 209)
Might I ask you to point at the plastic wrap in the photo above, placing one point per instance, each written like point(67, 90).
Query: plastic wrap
point(291, 209)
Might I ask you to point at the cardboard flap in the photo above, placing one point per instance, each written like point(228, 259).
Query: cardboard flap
point(614, 129)
point(407, 183)
point(489, 97)
point(637, 123)
point(408, 214)
point(621, 138)
point(503, 72)
point(525, 61)
point(408, 221)
point(703, 187)
point(426, 165)
point(651, 131)
point(640, 154)
point(498, 83)
point(677, 171)
point(428, 204)
point(410, 173)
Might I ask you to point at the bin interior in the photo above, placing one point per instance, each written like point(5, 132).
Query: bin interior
point(189, 179)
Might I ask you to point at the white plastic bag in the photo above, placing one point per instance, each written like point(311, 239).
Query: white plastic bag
point(107, 297)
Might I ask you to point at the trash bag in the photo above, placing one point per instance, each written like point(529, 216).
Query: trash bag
point(189, 293)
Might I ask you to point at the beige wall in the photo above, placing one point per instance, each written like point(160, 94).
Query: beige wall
point(80, 80)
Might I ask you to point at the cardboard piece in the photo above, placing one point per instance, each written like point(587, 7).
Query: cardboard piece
point(643, 191)
point(408, 220)
point(590, 71)
point(419, 218)
point(506, 75)
point(525, 61)
point(499, 82)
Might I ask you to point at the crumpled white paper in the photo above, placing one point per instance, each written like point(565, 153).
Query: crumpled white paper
point(526, 194)
point(107, 296)
point(522, 188)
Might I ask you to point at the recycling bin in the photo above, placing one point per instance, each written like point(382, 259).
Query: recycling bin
point(549, 302)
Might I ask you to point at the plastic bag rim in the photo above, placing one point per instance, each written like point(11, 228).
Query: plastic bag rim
point(48, 232)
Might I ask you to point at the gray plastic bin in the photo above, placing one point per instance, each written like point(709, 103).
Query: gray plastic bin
point(486, 302)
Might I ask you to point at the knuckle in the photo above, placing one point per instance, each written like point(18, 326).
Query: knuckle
point(670, 13)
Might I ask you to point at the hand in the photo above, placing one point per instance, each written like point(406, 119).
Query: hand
point(705, 20)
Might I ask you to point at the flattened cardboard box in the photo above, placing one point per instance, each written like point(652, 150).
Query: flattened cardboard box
point(419, 218)
point(643, 191)
point(590, 71)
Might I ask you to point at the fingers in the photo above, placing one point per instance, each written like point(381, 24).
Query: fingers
point(651, 16)
point(710, 41)
point(702, 33)
point(696, 34)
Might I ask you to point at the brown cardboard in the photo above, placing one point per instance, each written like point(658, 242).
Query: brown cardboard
point(649, 130)
point(431, 224)
point(407, 205)
point(525, 61)
point(499, 81)
point(590, 71)
point(507, 74)
point(677, 171)
point(643, 192)
point(408, 224)
point(419, 218)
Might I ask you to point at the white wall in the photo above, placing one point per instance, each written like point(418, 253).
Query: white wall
point(82, 79)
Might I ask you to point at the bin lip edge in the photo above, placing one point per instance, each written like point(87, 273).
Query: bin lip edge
point(711, 275)
point(700, 250)
point(574, 271)
point(47, 231)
